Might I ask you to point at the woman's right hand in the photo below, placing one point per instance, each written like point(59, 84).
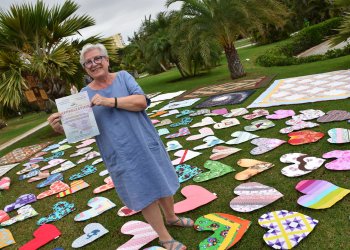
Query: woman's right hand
point(54, 121)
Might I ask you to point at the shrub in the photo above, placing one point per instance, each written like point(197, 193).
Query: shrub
point(305, 39)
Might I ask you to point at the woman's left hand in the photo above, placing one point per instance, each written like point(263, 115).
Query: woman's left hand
point(99, 100)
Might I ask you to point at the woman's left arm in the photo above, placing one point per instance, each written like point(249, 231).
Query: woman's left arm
point(130, 103)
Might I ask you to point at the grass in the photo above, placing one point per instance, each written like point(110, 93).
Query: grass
point(331, 233)
point(17, 126)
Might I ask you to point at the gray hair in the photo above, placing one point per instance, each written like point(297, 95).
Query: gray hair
point(88, 47)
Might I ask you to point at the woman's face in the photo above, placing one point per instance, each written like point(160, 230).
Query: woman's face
point(95, 64)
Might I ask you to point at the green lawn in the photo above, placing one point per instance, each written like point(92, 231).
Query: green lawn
point(331, 233)
point(17, 126)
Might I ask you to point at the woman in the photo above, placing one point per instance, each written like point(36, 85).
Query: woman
point(129, 144)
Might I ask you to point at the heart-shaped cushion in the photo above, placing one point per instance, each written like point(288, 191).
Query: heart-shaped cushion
point(51, 147)
point(85, 171)
point(64, 166)
point(184, 113)
point(196, 196)
point(236, 112)
point(184, 155)
point(42, 236)
point(200, 112)
point(259, 125)
point(334, 115)
point(5, 168)
point(308, 114)
point(221, 111)
point(40, 176)
point(51, 179)
point(34, 160)
point(341, 163)
point(184, 121)
point(21, 201)
point(240, 137)
point(5, 183)
point(75, 186)
point(142, 233)
point(220, 152)
point(86, 143)
point(304, 137)
point(97, 161)
point(98, 206)
point(185, 172)
point(155, 121)
point(254, 167)
point(281, 114)
point(39, 154)
point(253, 196)
point(203, 132)
point(226, 123)
point(24, 213)
point(173, 145)
point(339, 135)
point(319, 194)
point(163, 131)
point(265, 145)
point(81, 151)
point(109, 185)
point(216, 169)
point(53, 163)
point(56, 187)
point(103, 172)
point(31, 174)
point(29, 167)
point(182, 132)
point(158, 113)
point(210, 141)
point(205, 122)
point(125, 211)
point(6, 238)
point(89, 156)
point(256, 113)
point(302, 164)
point(92, 232)
point(228, 230)
point(60, 209)
point(297, 125)
point(54, 156)
point(3, 216)
point(286, 228)
point(61, 148)
point(163, 123)
point(171, 112)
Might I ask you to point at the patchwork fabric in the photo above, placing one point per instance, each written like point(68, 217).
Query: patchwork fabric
point(61, 148)
point(226, 99)
point(226, 87)
point(220, 152)
point(256, 113)
point(28, 168)
point(334, 116)
point(5, 183)
point(125, 211)
point(286, 228)
point(259, 125)
point(254, 167)
point(75, 186)
point(196, 196)
point(89, 156)
point(109, 185)
point(304, 137)
point(158, 113)
point(173, 145)
point(86, 143)
point(6, 238)
point(184, 121)
point(24, 213)
point(228, 230)
point(21, 201)
point(253, 196)
point(341, 163)
point(184, 113)
point(185, 172)
point(51, 179)
point(203, 132)
point(55, 156)
point(236, 112)
point(31, 174)
point(210, 141)
point(200, 112)
point(5, 168)
point(311, 88)
point(226, 123)
point(64, 166)
point(302, 164)
point(222, 111)
point(163, 131)
point(281, 114)
point(86, 170)
point(184, 155)
point(98, 206)
point(297, 125)
point(180, 104)
point(182, 132)
point(170, 112)
point(3, 216)
point(166, 96)
point(55, 188)
point(40, 176)
point(60, 210)
point(216, 169)
point(265, 145)
point(205, 122)
point(163, 123)
point(81, 151)
point(319, 194)
point(21, 154)
point(92, 232)
point(240, 137)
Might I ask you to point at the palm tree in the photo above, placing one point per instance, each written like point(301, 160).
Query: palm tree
point(36, 43)
point(344, 30)
point(227, 20)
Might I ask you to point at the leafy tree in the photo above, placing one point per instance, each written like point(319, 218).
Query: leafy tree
point(344, 31)
point(36, 43)
point(227, 20)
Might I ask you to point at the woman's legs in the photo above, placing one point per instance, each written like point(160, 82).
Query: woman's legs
point(153, 216)
point(167, 205)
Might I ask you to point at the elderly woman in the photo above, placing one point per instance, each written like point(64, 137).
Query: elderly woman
point(131, 149)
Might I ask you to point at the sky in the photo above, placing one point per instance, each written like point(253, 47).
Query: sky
point(111, 16)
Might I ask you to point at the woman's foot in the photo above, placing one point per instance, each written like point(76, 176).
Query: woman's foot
point(172, 245)
point(180, 222)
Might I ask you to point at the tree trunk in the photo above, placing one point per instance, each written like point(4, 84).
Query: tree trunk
point(234, 63)
point(162, 66)
point(178, 66)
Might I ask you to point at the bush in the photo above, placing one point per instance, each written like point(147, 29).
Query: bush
point(305, 39)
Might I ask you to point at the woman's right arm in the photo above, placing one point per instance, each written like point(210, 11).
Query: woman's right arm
point(54, 121)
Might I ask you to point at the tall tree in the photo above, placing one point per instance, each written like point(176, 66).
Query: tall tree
point(227, 20)
point(36, 43)
point(344, 30)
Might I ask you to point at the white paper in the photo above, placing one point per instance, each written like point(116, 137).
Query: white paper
point(78, 120)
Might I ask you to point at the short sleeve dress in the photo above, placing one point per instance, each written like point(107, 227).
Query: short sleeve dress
point(131, 149)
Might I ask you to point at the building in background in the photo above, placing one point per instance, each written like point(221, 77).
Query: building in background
point(118, 40)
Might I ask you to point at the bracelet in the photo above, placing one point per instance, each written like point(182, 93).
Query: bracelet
point(116, 102)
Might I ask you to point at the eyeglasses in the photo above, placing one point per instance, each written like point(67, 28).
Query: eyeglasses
point(96, 60)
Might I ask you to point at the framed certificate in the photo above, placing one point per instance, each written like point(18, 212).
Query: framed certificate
point(77, 118)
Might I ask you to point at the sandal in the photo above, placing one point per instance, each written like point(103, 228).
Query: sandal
point(179, 246)
point(181, 222)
